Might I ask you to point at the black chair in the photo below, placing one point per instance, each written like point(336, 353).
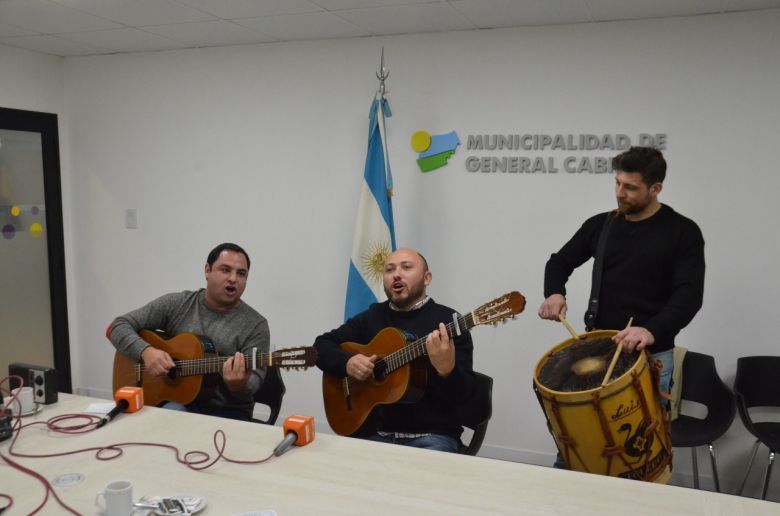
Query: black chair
point(702, 385)
point(477, 412)
point(758, 385)
point(271, 393)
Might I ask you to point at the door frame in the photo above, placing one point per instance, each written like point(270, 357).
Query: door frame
point(46, 124)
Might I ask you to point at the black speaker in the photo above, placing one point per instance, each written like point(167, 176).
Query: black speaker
point(5, 422)
point(43, 380)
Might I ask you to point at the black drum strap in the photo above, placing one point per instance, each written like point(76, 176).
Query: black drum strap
point(598, 267)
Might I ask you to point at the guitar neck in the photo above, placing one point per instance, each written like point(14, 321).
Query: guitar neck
point(416, 349)
point(214, 364)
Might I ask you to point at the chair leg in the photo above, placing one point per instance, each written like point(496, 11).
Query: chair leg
point(768, 473)
point(714, 467)
point(750, 464)
point(695, 468)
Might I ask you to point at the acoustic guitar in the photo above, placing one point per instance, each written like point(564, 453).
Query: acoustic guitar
point(196, 367)
point(398, 377)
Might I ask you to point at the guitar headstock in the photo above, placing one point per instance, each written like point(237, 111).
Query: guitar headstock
point(294, 358)
point(500, 309)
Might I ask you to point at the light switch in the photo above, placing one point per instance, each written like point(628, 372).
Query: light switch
point(131, 218)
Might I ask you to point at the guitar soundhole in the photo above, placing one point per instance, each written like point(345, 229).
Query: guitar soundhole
point(380, 371)
point(172, 373)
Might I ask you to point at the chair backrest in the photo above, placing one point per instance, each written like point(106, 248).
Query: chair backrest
point(271, 393)
point(700, 380)
point(757, 384)
point(758, 381)
point(702, 384)
point(476, 413)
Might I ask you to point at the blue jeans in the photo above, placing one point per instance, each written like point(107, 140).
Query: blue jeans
point(667, 361)
point(665, 382)
point(429, 442)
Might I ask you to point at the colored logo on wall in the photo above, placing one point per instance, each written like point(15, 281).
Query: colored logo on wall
point(435, 150)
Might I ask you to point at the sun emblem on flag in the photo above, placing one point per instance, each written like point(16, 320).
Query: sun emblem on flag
point(373, 260)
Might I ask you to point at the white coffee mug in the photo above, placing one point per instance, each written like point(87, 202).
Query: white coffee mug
point(24, 399)
point(118, 495)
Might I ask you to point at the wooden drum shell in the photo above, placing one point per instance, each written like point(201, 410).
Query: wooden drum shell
point(620, 429)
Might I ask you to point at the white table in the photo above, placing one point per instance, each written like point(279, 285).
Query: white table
point(332, 475)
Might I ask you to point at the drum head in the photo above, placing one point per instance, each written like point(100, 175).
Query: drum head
point(582, 366)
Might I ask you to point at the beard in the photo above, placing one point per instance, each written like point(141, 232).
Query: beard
point(406, 299)
point(632, 208)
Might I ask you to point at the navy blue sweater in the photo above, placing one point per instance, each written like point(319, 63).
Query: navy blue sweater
point(437, 411)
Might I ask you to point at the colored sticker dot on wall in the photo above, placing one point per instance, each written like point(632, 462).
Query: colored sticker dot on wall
point(15, 211)
point(36, 230)
point(35, 210)
point(8, 231)
point(421, 140)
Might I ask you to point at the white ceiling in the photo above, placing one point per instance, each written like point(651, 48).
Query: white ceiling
point(88, 27)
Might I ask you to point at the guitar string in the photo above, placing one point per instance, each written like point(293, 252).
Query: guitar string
point(200, 365)
point(411, 351)
point(417, 348)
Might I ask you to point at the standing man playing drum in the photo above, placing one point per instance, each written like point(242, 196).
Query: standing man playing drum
point(652, 263)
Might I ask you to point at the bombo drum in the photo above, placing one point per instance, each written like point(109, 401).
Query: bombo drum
point(620, 429)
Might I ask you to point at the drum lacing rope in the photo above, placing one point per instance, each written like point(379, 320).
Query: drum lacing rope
point(653, 427)
point(655, 372)
point(611, 449)
point(636, 381)
point(566, 439)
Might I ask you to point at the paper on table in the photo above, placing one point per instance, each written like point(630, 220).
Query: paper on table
point(99, 408)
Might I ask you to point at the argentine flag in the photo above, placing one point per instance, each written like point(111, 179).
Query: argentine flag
point(374, 233)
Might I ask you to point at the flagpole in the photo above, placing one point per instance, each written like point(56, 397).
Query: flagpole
point(374, 236)
point(382, 75)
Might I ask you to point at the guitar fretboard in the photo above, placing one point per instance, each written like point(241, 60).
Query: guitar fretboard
point(416, 349)
point(213, 364)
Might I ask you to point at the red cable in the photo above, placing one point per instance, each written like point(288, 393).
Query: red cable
point(10, 502)
point(85, 423)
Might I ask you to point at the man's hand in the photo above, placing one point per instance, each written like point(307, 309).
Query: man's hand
point(360, 367)
point(634, 338)
point(441, 350)
point(235, 373)
point(156, 361)
point(553, 308)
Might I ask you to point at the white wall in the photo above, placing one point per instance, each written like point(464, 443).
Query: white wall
point(30, 80)
point(264, 145)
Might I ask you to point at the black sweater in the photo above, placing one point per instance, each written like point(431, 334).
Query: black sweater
point(653, 271)
point(437, 411)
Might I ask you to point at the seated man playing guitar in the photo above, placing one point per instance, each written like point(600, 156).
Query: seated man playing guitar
point(444, 371)
point(215, 314)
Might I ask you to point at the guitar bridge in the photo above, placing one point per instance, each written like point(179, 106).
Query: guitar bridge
point(347, 393)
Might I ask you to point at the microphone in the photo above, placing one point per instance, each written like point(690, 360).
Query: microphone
point(128, 399)
point(298, 430)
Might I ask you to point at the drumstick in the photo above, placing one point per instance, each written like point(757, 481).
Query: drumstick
point(568, 326)
point(615, 357)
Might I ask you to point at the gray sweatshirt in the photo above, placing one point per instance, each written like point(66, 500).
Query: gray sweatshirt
point(239, 329)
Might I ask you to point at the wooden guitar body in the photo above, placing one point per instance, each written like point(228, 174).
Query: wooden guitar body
point(404, 385)
point(172, 387)
point(196, 372)
point(400, 369)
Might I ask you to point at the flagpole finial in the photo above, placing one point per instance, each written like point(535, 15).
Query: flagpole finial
point(382, 75)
